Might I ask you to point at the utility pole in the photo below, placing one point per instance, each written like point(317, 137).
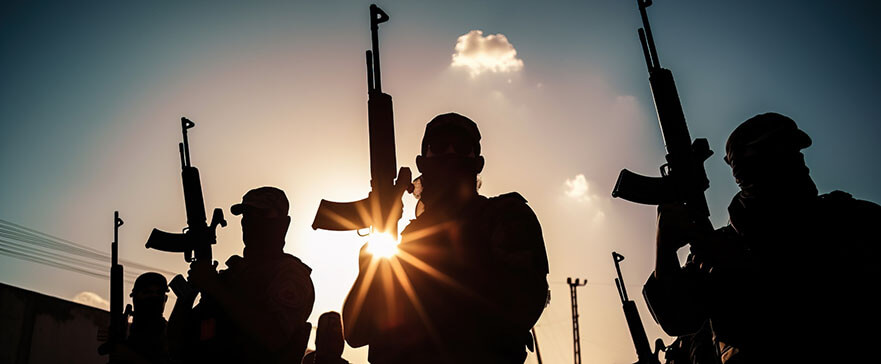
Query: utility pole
point(575, 335)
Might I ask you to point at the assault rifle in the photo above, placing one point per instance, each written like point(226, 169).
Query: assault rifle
point(118, 318)
point(683, 178)
point(198, 236)
point(380, 210)
point(644, 353)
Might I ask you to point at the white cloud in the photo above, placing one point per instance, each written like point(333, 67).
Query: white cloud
point(577, 188)
point(591, 205)
point(492, 53)
point(91, 299)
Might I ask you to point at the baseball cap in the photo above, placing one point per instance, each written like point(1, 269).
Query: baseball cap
point(148, 279)
point(271, 201)
point(452, 129)
point(765, 132)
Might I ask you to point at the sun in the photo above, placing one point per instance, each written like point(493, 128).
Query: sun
point(382, 245)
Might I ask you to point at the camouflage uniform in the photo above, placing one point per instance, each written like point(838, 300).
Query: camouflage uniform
point(288, 296)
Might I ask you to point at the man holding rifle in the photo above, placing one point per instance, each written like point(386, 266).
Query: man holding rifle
point(778, 283)
point(468, 279)
point(263, 299)
point(147, 341)
point(470, 274)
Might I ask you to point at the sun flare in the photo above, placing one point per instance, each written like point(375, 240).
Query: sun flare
point(382, 245)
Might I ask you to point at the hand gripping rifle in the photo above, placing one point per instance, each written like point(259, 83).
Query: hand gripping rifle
point(118, 318)
point(380, 209)
point(644, 353)
point(198, 236)
point(683, 178)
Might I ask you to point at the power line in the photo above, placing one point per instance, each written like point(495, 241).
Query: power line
point(32, 245)
point(50, 263)
point(73, 247)
point(40, 233)
point(49, 255)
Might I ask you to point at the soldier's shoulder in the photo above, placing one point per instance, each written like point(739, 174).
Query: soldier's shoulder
point(293, 263)
point(295, 274)
point(509, 207)
point(513, 197)
point(510, 200)
point(843, 202)
point(836, 197)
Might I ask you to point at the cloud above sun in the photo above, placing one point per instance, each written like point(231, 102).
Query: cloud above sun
point(481, 54)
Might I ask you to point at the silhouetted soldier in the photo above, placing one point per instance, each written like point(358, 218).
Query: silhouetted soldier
point(261, 301)
point(782, 281)
point(329, 341)
point(469, 280)
point(147, 341)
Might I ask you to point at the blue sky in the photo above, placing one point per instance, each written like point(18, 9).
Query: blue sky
point(92, 94)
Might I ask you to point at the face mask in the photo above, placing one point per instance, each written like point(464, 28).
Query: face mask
point(449, 164)
point(148, 307)
point(259, 233)
point(446, 175)
point(772, 176)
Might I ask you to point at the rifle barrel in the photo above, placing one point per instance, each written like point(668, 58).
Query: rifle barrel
point(374, 37)
point(622, 290)
point(650, 41)
point(183, 160)
point(369, 72)
point(184, 125)
point(645, 49)
point(114, 247)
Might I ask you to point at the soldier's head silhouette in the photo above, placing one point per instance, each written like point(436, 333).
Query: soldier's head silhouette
point(265, 220)
point(450, 159)
point(329, 336)
point(149, 295)
point(765, 156)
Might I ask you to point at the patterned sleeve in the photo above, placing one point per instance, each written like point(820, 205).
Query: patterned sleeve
point(292, 294)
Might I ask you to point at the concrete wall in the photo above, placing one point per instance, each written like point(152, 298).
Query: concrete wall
point(36, 328)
